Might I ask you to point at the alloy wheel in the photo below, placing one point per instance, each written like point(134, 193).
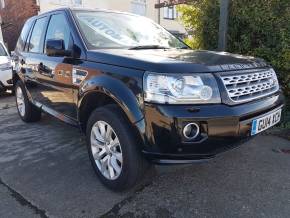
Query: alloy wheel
point(20, 101)
point(106, 150)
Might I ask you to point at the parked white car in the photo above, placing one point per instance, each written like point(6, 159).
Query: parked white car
point(5, 69)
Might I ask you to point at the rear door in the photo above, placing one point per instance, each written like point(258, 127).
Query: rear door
point(20, 54)
point(32, 53)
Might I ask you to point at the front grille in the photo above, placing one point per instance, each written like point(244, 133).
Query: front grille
point(248, 85)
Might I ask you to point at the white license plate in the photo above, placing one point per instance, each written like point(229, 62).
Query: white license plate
point(265, 122)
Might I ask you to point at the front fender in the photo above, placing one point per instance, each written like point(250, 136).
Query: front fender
point(130, 103)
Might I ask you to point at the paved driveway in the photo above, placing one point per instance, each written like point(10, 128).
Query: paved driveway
point(45, 172)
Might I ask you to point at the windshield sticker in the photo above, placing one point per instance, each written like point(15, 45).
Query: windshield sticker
point(105, 30)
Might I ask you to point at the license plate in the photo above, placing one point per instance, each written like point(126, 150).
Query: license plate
point(265, 122)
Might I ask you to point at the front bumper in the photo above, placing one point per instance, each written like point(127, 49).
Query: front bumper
point(223, 128)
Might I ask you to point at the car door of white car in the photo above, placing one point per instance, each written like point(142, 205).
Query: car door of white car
point(5, 67)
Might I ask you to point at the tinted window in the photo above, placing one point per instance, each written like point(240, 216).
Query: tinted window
point(23, 36)
point(58, 28)
point(2, 51)
point(36, 44)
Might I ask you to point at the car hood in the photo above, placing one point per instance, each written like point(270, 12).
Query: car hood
point(175, 60)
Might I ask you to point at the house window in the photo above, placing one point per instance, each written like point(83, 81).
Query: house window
point(77, 2)
point(60, 2)
point(170, 13)
point(2, 4)
point(138, 7)
point(67, 2)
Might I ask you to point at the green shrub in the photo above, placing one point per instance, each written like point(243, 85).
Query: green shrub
point(259, 28)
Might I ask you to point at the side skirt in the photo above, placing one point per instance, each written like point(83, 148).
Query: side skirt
point(60, 116)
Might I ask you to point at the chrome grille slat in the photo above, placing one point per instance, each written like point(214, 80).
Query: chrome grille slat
point(245, 78)
point(249, 85)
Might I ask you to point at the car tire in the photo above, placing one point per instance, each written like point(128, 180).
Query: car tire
point(131, 165)
point(26, 110)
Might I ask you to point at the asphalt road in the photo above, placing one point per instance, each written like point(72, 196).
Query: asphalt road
point(45, 172)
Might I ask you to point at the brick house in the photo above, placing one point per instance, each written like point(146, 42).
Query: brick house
point(14, 13)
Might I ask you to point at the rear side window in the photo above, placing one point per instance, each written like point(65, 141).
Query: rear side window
point(23, 36)
point(36, 39)
point(58, 28)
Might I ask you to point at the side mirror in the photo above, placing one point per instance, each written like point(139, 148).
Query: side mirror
point(55, 47)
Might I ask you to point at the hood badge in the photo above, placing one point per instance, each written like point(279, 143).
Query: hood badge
point(227, 67)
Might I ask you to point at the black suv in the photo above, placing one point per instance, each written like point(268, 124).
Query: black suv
point(137, 92)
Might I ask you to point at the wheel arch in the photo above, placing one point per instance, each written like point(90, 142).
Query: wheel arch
point(104, 90)
point(15, 77)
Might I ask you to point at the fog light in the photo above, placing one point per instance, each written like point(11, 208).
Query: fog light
point(191, 131)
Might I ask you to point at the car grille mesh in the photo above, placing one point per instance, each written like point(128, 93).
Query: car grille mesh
point(246, 85)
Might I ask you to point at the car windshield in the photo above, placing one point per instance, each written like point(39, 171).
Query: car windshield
point(120, 30)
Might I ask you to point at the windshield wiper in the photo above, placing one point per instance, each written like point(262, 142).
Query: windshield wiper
point(148, 47)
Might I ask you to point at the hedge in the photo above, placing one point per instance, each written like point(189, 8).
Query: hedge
point(259, 28)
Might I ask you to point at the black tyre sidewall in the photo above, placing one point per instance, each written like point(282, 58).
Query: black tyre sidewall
point(32, 113)
point(19, 84)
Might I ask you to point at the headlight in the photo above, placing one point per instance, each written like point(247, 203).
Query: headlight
point(181, 89)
